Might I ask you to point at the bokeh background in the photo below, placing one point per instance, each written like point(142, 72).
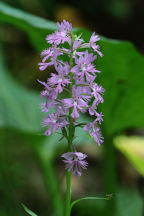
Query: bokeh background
point(31, 171)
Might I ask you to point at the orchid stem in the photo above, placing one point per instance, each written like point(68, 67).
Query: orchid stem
point(68, 194)
point(70, 139)
point(68, 177)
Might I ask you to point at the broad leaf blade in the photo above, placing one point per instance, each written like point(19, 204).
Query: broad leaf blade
point(36, 28)
point(19, 107)
point(122, 77)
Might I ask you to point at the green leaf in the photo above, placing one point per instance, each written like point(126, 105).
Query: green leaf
point(128, 202)
point(88, 198)
point(122, 77)
point(19, 108)
point(28, 210)
point(133, 149)
point(36, 28)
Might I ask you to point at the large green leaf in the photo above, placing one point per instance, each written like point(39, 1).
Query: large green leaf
point(123, 80)
point(35, 27)
point(19, 108)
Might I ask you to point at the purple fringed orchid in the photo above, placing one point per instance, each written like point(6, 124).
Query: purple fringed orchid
point(75, 162)
point(72, 89)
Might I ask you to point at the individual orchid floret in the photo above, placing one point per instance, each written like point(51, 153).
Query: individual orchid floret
point(61, 36)
point(52, 52)
point(77, 44)
point(49, 94)
point(54, 122)
point(93, 108)
point(94, 132)
point(65, 26)
point(51, 55)
point(43, 65)
point(97, 90)
point(75, 162)
point(61, 79)
point(77, 102)
point(92, 111)
point(92, 43)
point(99, 118)
point(83, 68)
point(84, 92)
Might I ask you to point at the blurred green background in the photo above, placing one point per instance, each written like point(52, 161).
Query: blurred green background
point(31, 171)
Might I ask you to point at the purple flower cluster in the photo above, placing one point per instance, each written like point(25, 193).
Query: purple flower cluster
point(72, 89)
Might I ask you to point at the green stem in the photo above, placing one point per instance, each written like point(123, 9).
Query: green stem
point(109, 172)
point(68, 174)
point(70, 139)
point(68, 194)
